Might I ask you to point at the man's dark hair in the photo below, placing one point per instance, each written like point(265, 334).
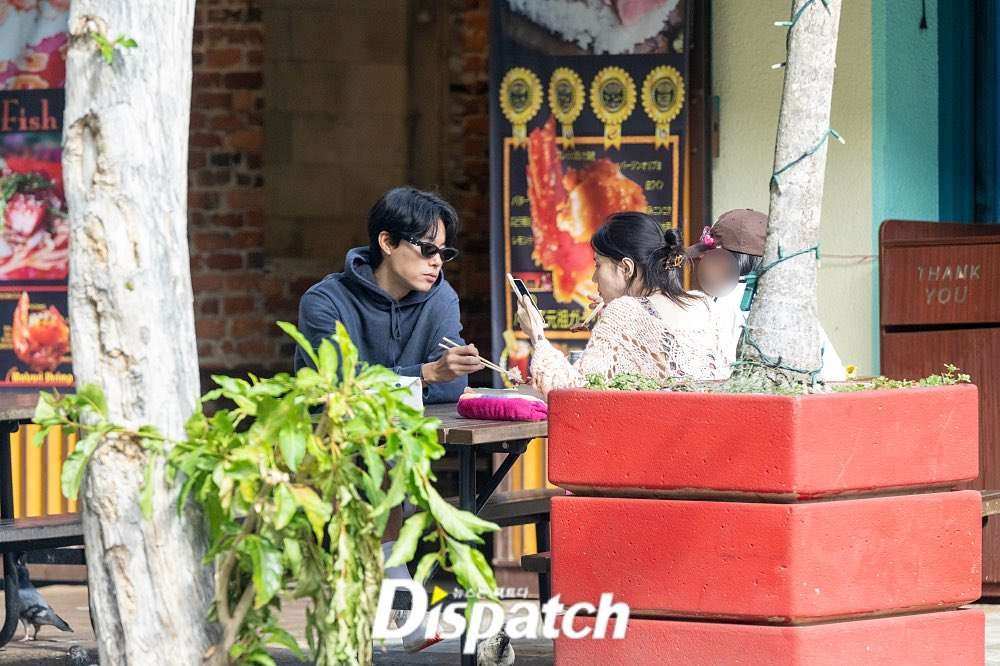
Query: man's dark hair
point(406, 212)
point(747, 262)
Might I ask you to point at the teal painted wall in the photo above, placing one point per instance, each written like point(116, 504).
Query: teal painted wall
point(905, 121)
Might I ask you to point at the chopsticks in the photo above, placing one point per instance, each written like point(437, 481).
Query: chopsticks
point(451, 344)
point(582, 326)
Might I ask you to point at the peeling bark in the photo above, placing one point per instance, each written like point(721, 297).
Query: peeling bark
point(131, 318)
point(783, 319)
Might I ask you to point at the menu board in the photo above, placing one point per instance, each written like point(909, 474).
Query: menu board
point(588, 118)
point(34, 227)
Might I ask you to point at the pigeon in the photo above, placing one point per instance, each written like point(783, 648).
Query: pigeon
point(496, 651)
point(35, 611)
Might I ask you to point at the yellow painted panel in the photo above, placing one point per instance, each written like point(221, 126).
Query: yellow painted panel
point(53, 466)
point(68, 446)
point(36, 472)
point(16, 462)
point(33, 472)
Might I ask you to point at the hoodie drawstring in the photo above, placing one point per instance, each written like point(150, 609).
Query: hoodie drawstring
point(394, 322)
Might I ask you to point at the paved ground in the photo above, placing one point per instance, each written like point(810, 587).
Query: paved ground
point(70, 601)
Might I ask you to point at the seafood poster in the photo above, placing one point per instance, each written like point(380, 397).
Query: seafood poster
point(588, 117)
point(34, 229)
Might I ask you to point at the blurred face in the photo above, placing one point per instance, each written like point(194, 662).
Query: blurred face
point(406, 263)
point(718, 272)
point(612, 277)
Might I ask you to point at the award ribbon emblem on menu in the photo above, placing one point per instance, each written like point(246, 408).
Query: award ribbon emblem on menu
point(566, 98)
point(612, 94)
point(520, 100)
point(663, 99)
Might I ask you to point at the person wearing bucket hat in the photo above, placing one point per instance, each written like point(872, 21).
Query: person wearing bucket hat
point(725, 254)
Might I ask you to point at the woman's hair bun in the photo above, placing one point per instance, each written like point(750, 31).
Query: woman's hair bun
point(672, 240)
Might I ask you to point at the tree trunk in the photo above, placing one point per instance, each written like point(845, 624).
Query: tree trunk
point(782, 322)
point(131, 319)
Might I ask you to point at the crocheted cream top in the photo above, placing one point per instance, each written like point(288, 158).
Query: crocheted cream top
point(653, 336)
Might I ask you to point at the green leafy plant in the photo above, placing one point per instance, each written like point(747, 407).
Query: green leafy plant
point(951, 376)
point(759, 383)
point(107, 46)
point(295, 483)
point(623, 382)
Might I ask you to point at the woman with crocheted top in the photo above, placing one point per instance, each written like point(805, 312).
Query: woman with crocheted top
point(650, 324)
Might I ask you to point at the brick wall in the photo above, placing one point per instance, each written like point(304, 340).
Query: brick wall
point(241, 281)
point(467, 158)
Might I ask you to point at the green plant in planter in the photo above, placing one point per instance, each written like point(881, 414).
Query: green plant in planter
point(295, 484)
point(739, 383)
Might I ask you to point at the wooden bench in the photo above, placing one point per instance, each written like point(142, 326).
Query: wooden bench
point(52, 535)
point(515, 507)
point(42, 533)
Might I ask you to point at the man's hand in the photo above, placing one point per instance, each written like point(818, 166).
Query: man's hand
point(455, 363)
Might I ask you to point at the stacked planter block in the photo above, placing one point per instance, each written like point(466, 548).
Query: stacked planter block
point(770, 530)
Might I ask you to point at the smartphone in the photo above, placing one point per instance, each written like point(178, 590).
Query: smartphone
point(518, 286)
point(519, 289)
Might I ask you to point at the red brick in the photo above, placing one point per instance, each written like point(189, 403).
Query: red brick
point(777, 563)
point(213, 178)
point(204, 282)
point(243, 80)
point(281, 304)
point(246, 199)
point(926, 639)
point(203, 200)
point(210, 242)
point(212, 100)
point(245, 100)
point(227, 347)
point(210, 328)
point(253, 219)
point(223, 57)
point(248, 239)
point(255, 57)
point(204, 140)
point(788, 446)
point(200, 80)
point(205, 351)
point(243, 328)
point(245, 139)
point(209, 306)
point(238, 304)
point(224, 261)
point(227, 122)
point(228, 220)
point(196, 159)
point(255, 348)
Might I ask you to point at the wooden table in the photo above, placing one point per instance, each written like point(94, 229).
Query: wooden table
point(467, 437)
point(15, 409)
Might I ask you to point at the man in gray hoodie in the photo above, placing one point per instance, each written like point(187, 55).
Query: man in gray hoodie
point(393, 299)
point(397, 307)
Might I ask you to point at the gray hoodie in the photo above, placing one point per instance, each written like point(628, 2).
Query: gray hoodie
point(401, 335)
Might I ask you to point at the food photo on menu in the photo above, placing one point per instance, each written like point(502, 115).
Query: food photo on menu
point(34, 241)
point(35, 346)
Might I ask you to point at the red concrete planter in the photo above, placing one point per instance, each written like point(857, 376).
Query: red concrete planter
point(774, 563)
point(929, 639)
point(778, 448)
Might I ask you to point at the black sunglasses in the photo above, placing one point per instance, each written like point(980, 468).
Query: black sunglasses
point(428, 250)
